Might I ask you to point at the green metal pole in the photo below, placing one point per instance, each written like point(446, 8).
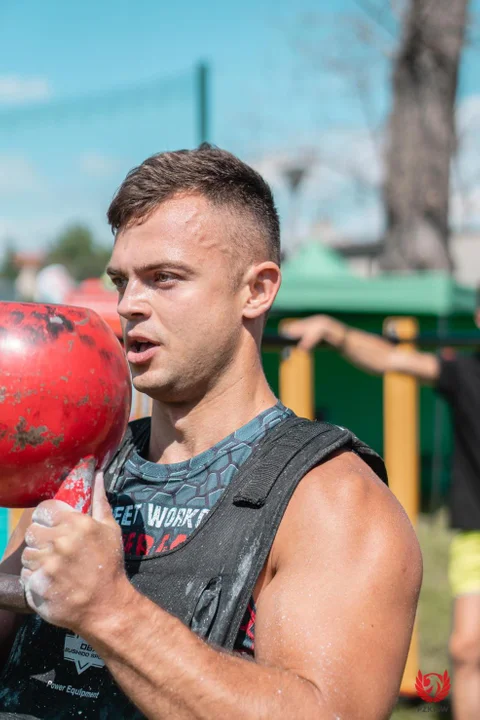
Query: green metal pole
point(203, 75)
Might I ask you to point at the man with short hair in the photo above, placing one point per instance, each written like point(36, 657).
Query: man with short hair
point(458, 380)
point(266, 571)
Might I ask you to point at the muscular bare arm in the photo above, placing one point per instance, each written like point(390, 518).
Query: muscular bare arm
point(336, 616)
point(369, 352)
point(12, 564)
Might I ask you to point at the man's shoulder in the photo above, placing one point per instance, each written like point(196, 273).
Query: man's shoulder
point(322, 441)
point(343, 512)
point(343, 481)
point(338, 502)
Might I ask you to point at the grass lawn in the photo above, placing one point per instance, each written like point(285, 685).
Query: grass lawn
point(435, 607)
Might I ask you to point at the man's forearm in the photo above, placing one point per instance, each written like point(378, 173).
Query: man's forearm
point(376, 355)
point(367, 351)
point(169, 672)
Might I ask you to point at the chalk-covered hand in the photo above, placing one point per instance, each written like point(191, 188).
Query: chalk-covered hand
point(73, 571)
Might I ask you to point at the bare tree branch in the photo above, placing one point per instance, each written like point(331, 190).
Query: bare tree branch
point(378, 15)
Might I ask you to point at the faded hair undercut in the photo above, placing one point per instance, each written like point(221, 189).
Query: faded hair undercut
point(219, 176)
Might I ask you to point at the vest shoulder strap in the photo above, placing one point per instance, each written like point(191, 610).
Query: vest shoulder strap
point(268, 479)
point(135, 436)
point(297, 445)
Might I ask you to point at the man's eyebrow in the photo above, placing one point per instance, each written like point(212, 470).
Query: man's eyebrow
point(113, 271)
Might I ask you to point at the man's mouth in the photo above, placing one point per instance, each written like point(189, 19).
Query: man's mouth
point(139, 346)
point(140, 351)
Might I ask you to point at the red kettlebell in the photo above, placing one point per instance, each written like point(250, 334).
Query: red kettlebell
point(65, 396)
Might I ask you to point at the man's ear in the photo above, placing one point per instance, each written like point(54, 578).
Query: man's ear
point(262, 284)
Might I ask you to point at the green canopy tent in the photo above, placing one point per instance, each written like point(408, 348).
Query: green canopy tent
point(317, 279)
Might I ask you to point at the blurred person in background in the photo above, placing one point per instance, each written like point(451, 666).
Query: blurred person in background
point(25, 282)
point(53, 284)
point(457, 379)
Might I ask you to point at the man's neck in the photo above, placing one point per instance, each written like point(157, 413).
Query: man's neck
point(179, 432)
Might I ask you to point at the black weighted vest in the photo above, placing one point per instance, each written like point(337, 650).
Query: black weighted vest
point(206, 582)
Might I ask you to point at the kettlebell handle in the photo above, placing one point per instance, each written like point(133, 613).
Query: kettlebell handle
point(76, 490)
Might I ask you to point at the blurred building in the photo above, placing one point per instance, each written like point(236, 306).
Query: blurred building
point(363, 254)
point(466, 257)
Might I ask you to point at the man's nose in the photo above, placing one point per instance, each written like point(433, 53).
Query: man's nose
point(133, 303)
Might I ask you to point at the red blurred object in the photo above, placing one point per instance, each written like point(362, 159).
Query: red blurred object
point(65, 395)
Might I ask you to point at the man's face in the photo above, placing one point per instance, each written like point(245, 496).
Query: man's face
point(181, 314)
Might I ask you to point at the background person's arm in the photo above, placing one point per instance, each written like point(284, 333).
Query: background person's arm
point(11, 564)
point(369, 352)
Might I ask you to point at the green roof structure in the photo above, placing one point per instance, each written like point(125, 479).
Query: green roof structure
point(317, 279)
point(315, 260)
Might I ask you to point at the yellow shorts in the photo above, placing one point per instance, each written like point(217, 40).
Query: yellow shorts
point(464, 565)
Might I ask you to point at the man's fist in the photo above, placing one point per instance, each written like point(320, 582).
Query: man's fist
point(73, 569)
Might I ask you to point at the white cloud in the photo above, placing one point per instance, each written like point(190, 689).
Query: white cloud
point(17, 175)
point(97, 164)
point(351, 154)
point(16, 90)
point(367, 224)
point(465, 195)
point(468, 113)
point(354, 154)
point(465, 207)
point(341, 185)
point(34, 231)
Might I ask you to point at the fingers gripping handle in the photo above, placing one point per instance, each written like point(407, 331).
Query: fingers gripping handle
point(76, 490)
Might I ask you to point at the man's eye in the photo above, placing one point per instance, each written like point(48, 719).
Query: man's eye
point(164, 277)
point(118, 282)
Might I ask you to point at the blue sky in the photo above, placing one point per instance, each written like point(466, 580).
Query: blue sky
point(276, 95)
